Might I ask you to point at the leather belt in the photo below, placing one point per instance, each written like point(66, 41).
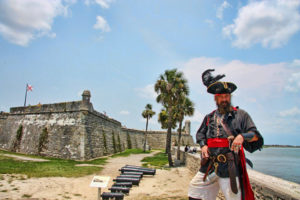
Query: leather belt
point(221, 158)
point(232, 172)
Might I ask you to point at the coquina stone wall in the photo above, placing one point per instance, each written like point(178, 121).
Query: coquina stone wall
point(71, 130)
point(265, 187)
point(157, 139)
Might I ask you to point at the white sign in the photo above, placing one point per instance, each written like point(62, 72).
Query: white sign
point(100, 181)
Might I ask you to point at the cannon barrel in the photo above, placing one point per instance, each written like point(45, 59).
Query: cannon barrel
point(144, 171)
point(108, 195)
point(135, 181)
point(131, 176)
point(133, 173)
point(138, 167)
point(119, 189)
point(123, 184)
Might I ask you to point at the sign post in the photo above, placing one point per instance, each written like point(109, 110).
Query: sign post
point(99, 182)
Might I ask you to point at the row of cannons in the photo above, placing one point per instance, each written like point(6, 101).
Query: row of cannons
point(130, 175)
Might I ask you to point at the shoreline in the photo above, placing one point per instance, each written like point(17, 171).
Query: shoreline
point(280, 146)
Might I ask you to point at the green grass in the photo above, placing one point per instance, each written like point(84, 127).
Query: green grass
point(53, 168)
point(127, 152)
point(159, 160)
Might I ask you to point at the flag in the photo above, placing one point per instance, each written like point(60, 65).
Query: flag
point(29, 88)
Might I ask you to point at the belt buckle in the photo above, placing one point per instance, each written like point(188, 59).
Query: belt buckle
point(216, 165)
point(221, 158)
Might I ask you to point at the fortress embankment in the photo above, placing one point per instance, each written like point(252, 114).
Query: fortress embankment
point(73, 130)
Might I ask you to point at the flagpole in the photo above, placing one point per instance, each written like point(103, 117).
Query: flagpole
point(25, 94)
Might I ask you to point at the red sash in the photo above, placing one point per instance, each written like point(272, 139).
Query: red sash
point(223, 142)
point(249, 195)
point(217, 142)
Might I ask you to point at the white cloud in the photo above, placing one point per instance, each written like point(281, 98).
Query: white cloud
point(271, 23)
point(197, 117)
point(293, 83)
point(101, 24)
point(259, 79)
point(124, 112)
point(209, 22)
point(221, 9)
point(103, 3)
point(23, 21)
point(290, 113)
point(152, 121)
point(79, 93)
point(296, 63)
point(147, 92)
point(251, 100)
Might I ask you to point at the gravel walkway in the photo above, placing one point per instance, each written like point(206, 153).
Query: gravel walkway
point(166, 184)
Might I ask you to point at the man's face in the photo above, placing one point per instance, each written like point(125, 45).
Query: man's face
point(223, 100)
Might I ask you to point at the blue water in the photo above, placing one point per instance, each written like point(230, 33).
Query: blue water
point(280, 162)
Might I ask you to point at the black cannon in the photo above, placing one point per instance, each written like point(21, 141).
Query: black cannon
point(131, 176)
point(123, 184)
point(134, 181)
point(144, 171)
point(124, 190)
point(133, 173)
point(110, 195)
point(138, 167)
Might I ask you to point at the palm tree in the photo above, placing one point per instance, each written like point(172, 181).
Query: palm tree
point(163, 119)
point(169, 87)
point(185, 107)
point(148, 113)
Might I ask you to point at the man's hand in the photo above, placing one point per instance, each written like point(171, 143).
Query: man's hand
point(237, 143)
point(204, 151)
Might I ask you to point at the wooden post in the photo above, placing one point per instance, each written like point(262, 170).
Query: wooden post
point(99, 193)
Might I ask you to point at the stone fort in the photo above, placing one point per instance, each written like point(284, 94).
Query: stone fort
point(74, 130)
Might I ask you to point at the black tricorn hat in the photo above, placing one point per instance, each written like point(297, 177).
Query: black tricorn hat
point(214, 86)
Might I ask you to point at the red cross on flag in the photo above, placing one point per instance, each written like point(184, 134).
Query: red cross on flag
point(29, 88)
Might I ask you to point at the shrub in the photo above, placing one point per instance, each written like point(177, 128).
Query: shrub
point(104, 142)
point(17, 142)
point(119, 143)
point(43, 138)
point(114, 142)
point(129, 146)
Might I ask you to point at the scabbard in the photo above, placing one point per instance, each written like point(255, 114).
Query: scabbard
point(208, 169)
point(232, 172)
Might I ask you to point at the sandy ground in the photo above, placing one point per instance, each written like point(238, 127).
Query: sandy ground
point(166, 184)
point(25, 158)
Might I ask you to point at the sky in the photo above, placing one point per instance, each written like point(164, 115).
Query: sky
point(118, 49)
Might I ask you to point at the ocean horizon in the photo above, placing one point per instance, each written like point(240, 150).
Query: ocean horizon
point(277, 161)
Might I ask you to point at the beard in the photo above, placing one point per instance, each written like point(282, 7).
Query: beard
point(224, 107)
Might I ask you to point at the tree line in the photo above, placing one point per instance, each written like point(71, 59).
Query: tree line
point(172, 92)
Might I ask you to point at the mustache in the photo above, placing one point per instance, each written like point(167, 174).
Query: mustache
point(224, 106)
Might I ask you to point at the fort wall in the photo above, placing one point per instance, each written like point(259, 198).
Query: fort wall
point(72, 130)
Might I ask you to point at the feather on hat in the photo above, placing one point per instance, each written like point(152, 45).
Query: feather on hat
point(214, 86)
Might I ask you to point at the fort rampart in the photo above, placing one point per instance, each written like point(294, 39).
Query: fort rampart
point(72, 130)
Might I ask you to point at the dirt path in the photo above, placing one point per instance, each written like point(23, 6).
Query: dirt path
point(24, 158)
point(166, 184)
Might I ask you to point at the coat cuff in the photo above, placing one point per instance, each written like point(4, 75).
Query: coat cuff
point(202, 143)
point(248, 136)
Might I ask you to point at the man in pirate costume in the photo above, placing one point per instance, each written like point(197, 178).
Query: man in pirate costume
point(223, 136)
